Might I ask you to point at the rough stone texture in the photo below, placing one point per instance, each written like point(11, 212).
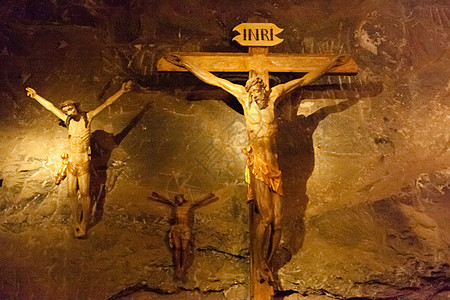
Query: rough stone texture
point(365, 159)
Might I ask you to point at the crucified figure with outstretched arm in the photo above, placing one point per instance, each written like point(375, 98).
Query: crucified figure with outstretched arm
point(262, 173)
point(180, 232)
point(77, 171)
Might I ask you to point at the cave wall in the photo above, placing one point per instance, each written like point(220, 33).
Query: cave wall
point(365, 158)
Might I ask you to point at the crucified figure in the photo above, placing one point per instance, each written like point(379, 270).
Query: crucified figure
point(262, 173)
point(180, 232)
point(78, 124)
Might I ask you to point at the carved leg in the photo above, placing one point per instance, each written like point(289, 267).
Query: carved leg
point(276, 225)
point(261, 241)
point(178, 263)
point(177, 252)
point(263, 234)
point(184, 256)
point(73, 201)
point(83, 183)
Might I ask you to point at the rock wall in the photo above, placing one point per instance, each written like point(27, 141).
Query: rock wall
point(365, 159)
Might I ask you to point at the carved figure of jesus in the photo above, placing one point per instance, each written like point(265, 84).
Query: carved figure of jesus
point(262, 173)
point(78, 124)
point(180, 232)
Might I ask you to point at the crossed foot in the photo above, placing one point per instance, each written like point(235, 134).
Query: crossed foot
point(80, 233)
point(265, 274)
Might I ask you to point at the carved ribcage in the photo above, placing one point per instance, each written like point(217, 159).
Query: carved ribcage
point(80, 143)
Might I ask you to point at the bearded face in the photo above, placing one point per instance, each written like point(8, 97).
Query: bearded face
point(257, 94)
point(179, 199)
point(70, 110)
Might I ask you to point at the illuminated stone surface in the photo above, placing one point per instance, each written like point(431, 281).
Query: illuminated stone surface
point(366, 179)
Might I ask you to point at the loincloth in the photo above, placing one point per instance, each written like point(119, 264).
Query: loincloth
point(62, 172)
point(262, 171)
point(78, 169)
point(179, 231)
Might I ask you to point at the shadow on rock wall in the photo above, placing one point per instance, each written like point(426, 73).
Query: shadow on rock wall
point(102, 145)
point(296, 154)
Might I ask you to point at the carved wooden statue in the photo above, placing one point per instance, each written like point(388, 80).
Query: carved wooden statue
point(181, 231)
point(77, 162)
point(262, 172)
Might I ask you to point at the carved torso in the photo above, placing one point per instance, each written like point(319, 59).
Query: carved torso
point(183, 213)
point(261, 131)
point(79, 140)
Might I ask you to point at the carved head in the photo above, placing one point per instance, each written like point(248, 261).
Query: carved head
point(179, 199)
point(70, 107)
point(256, 88)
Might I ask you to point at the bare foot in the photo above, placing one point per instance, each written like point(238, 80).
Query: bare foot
point(179, 273)
point(265, 274)
point(79, 233)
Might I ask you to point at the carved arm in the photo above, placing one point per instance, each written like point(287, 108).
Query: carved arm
point(283, 89)
point(206, 200)
point(157, 197)
point(234, 89)
point(45, 103)
point(126, 87)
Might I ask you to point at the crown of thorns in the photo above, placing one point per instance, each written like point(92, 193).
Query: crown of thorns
point(252, 81)
point(70, 103)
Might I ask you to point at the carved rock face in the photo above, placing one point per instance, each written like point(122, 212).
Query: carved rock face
point(364, 160)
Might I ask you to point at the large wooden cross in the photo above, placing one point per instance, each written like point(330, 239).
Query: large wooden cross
point(258, 62)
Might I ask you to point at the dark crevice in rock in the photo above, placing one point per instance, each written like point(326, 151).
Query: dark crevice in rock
point(210, 249)
point(279, 295)
point(323, 292)
point(210, 291)
point(442, 290)
point(430, 286)
point(401, 292)
point(373, 282)
point(141, 286)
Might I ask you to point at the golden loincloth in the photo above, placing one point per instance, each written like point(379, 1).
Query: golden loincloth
point(262, 171)
point(78, 169)
point(180, 231)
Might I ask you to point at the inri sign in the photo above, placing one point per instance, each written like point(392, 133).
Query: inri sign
point(257, 34)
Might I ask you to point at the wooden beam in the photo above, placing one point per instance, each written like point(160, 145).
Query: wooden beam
point(243, 62)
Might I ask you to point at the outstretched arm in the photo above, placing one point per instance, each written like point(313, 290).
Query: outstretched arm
point(126, 87)
point(157, 197)
point(283, 89)
point(45, 103)
point(206, 200)
point(236, 90)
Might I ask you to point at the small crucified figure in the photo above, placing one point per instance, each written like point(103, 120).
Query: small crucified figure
point(262, 173)
point(180, 232)
point(78, 124)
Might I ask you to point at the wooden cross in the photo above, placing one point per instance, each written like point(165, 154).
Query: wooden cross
point(258, 62)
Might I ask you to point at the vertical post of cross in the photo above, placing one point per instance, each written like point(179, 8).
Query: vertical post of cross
point(258, 290)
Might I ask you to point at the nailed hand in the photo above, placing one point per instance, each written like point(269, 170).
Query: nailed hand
point(30, 92)
point(126, 86)
point(174, 59)
point(342, 59)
